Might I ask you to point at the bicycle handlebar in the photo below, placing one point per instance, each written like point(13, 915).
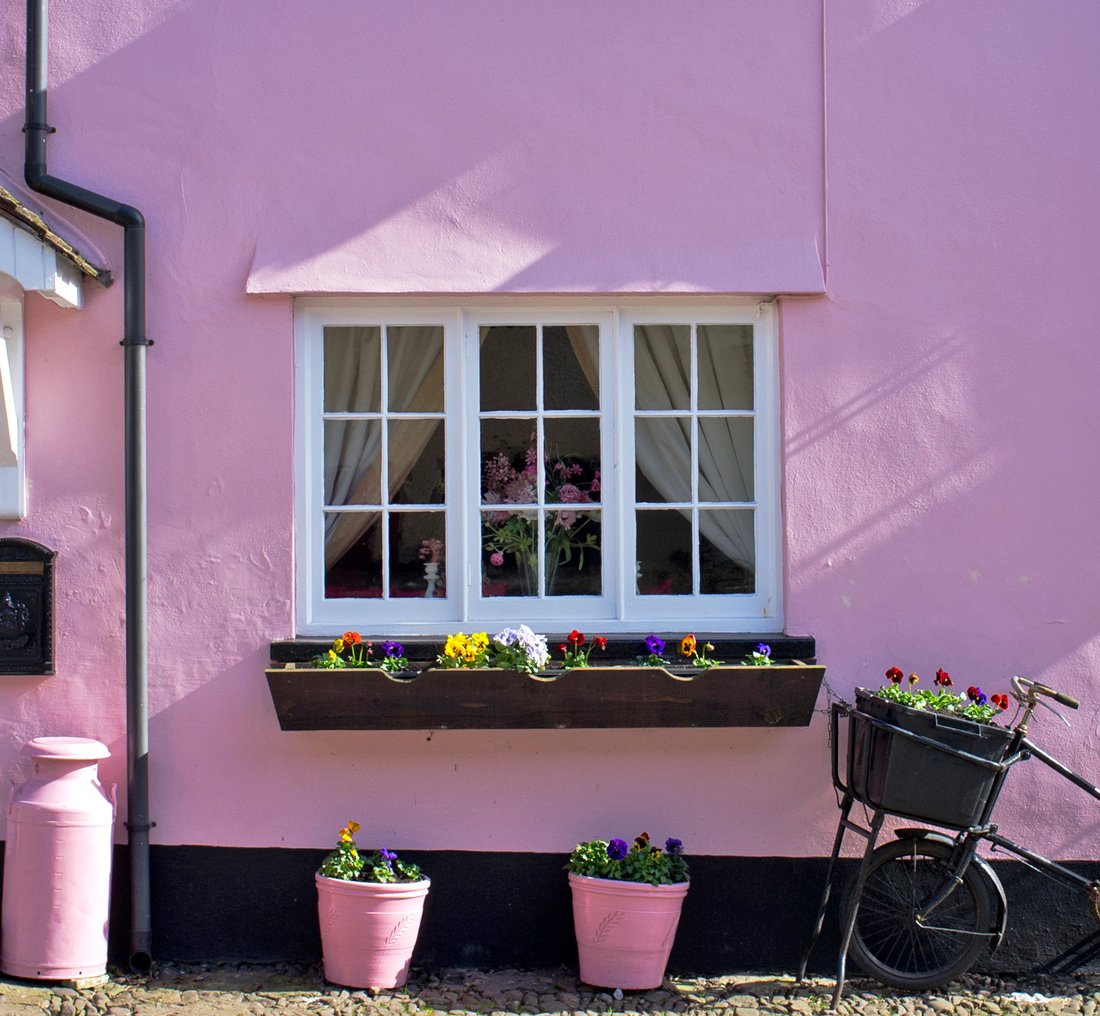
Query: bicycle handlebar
point(1026, 689)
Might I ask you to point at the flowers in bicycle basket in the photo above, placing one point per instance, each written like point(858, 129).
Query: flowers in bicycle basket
point(974, 704)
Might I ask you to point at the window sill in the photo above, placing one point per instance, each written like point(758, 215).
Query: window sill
point(782, 695)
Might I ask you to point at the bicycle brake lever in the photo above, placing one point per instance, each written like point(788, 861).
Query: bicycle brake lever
point(1047, 705)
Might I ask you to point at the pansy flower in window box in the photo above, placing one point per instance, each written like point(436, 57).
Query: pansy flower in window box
point(576, 650)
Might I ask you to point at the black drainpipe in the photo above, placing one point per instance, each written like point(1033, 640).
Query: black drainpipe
point(134, 342)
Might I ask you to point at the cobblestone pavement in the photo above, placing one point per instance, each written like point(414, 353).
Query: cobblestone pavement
point(229, 990)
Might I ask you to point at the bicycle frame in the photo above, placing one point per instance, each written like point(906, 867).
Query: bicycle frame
point(969, 839)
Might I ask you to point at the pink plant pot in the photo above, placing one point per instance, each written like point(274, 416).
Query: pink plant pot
point(624, 930)
point(368, 930)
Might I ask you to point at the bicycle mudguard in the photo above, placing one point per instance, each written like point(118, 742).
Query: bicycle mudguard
point(913, 833)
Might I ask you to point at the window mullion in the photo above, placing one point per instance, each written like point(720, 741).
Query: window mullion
point(693, 405)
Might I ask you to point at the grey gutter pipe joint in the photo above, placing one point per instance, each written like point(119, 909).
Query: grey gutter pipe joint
point(134, 344)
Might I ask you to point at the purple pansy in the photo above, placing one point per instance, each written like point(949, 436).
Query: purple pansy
point(674, 847)
point(617, 849)
point(655, 645)
point(393, 649)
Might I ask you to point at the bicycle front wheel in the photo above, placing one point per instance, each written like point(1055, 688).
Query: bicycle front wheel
point(887, 941)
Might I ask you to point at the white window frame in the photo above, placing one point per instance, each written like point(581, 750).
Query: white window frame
point(13, 487)
point(620, 609)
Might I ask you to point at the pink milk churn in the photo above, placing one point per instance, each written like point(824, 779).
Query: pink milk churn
point(57, 864)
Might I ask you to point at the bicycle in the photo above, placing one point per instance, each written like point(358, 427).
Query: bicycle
point(923, 908)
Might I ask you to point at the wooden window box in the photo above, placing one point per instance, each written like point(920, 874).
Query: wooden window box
point(307, 698)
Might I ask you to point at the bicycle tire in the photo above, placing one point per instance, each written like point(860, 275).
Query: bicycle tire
point(889, 945)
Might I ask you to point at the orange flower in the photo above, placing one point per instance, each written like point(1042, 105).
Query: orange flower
point(687, 645)
point(913, 679)
point(352, 638)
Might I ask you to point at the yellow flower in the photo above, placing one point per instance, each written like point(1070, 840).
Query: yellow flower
point(338, 646)
point(347, 834)
point(481, 640)
point(687, 645)
point(453, 646)
point(332, 655)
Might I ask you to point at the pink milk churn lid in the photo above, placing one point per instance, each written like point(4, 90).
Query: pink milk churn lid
point(57, 864)
point(64, 782)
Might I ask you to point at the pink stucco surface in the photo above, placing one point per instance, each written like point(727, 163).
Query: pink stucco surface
point(934, 183)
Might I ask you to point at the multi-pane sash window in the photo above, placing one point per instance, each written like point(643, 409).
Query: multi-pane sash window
point(610, 467)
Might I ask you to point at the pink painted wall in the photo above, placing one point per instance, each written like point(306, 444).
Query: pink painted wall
point(939, 423)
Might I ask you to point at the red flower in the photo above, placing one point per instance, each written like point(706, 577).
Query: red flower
point(972, 693)
point(1000, 701)
point(943, 678)
point(563, 648)
point(600, 642)
point(576, 638)
point(895, 675)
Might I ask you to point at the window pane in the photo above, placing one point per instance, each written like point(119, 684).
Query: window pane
point(663, 458)
point(507, 368)
point(353, 552)
point(417, 554)
point(416, 457)
point(352, 462)
point(573, 552)
point(572, 460)
point(725, 366)
point(571, 366)
point(509, 544)
point(664, 553)
point(415, 369)
point(727, 556)
point(725, 458)
point(509, 462)
point(662, 366)
point(352, 370)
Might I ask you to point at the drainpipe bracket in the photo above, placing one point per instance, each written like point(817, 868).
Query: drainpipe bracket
point(137, 342)
point(139, 827)
point(39, 127)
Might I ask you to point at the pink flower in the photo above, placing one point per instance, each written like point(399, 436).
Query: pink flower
point(565, 519)
point(496, 559)
point(570, 493)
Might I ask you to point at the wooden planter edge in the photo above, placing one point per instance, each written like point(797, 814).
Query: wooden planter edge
point(782, 695)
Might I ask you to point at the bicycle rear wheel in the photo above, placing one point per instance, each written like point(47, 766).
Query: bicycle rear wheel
point(887, 942)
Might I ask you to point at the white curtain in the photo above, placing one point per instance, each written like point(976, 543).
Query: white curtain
point(662, 375)
point(353, 465)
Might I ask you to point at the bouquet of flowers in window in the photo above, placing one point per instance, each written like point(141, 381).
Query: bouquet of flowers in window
point(513, 531)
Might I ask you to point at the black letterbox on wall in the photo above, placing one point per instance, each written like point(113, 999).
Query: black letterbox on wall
point(26, 607)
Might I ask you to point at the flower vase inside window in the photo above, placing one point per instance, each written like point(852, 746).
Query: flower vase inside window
point(540, 455)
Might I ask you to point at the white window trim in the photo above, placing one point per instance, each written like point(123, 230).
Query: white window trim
point(624, 611)
point(13, 492)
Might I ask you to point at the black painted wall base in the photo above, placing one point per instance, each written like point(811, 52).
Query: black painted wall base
point(513, 909)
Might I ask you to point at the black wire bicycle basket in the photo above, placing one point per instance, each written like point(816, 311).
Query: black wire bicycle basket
point(921, 765)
